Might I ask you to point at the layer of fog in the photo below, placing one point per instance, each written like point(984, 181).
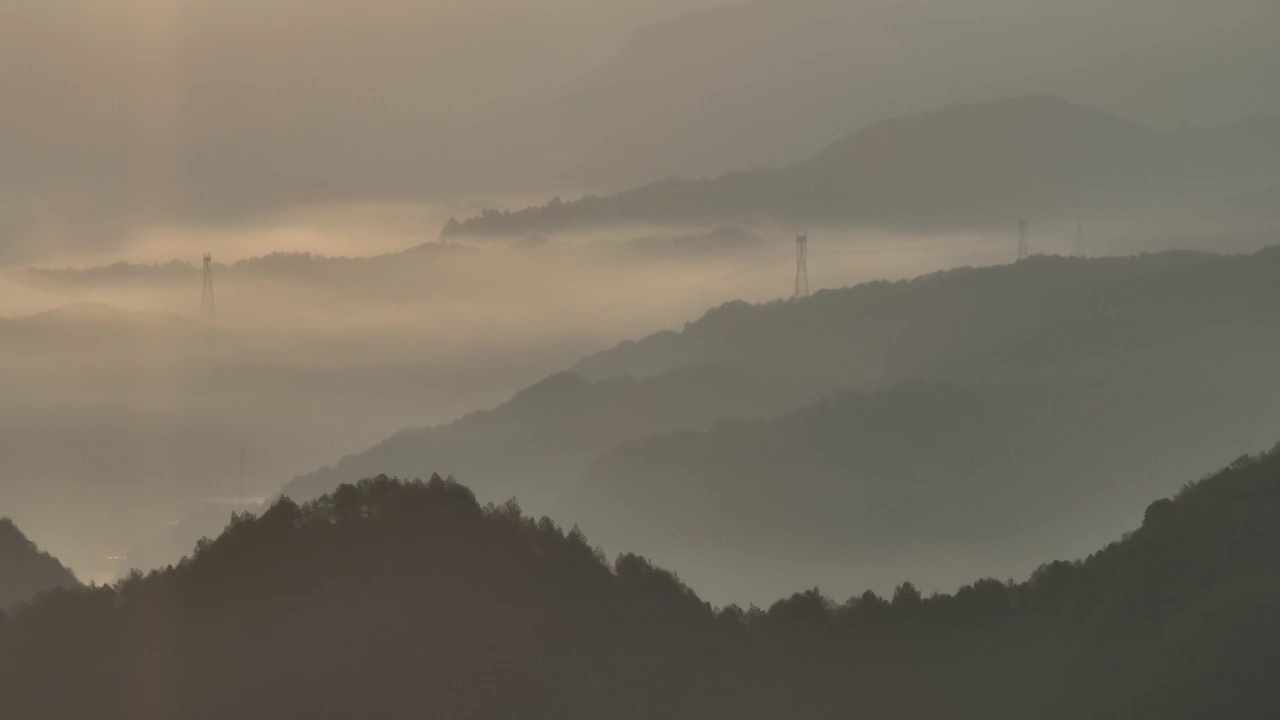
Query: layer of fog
point(119, 418)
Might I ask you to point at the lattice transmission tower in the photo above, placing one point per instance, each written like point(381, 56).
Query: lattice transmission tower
point(1023, 249)
point(802, 265)
point(208, 312)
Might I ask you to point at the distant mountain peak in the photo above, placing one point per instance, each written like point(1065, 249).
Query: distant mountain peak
point(970, 166)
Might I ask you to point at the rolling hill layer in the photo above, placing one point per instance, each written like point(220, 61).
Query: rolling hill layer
point(413, 600)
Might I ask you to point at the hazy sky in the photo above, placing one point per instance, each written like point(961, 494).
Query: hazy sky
point(116, 114)
point(127, 114)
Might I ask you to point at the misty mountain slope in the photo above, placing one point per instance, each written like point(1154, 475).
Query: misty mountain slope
point(924, 480)
point(1037, 318)
point(91, 319)
point(286, 106)
point(415, 271)
point(538, 442)
point(767, 83)
point(1265, 201)
point(1069, 390)
point(963, 166)
point(67, 334)
point(25, 571)
point(534, 445)
point(1046, 348)
point(412, 600)
point(283, 105)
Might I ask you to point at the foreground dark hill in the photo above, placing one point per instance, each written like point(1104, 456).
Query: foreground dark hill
point(396, 600)
point(965, 166)
point(25, 571)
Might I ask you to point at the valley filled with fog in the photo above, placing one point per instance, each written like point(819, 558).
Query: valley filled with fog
point(696, 359)
point(546, 248)
point(116, 399)
point(126, 419)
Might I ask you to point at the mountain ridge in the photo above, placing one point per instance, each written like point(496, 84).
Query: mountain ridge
point(25, 570)
point(1034, 331)
point(755, 85)
point(967, 166)
point(501, 614)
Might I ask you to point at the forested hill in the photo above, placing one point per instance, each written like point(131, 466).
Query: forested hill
point(930, 480)
point(1047, 315)
point(392, 599)
point(25, 571)
point(538, 441)
point(1068, 375)
point(964, 166)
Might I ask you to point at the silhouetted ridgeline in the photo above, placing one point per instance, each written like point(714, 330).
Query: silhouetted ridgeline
point(538, 442)
point(995, 477)
point(1046, 316)
point(1097, 320)
point(25, 571)
point(1050, 398)
point(416, 264)
point(964, 166)
point(718, 241)
point(391, 599)
point(673, 100)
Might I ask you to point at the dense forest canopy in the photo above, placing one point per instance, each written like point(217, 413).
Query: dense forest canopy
point(410, 599)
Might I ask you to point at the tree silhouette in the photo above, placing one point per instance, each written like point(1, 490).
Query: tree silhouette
point(396, 599)
point(25, 571)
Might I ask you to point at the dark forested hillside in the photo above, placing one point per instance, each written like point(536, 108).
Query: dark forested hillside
point(961, 167)
point(396, 600)
point(25, 571)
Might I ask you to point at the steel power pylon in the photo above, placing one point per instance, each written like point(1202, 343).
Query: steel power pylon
point(802, 265)
point(1023, 249)
point(208, 313)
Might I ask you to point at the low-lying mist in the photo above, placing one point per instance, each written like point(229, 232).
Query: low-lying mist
point(339, 326)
